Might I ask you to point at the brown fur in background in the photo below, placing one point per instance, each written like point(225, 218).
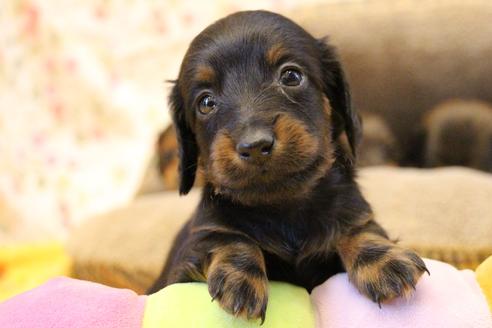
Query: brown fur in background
point(459, 132)
point(378, 145)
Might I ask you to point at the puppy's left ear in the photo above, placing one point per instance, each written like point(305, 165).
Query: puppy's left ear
point(336, 88)
point(188, 148)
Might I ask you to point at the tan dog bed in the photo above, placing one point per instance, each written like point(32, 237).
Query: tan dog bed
point(445, 214)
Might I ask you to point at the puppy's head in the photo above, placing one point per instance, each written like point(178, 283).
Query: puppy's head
point(260, 105)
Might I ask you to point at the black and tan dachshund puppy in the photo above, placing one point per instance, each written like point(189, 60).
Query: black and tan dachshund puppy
point(263, 109)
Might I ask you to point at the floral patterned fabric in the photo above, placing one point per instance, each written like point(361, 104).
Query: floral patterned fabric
point(82, 96)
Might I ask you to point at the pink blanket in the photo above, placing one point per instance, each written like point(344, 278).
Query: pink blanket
point(70, 303)
point(447, 298)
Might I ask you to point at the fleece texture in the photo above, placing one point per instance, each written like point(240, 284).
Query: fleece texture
point(23, 267)
point(447, 298)
point(65, 302)
point(189, 305)
point(484, 278)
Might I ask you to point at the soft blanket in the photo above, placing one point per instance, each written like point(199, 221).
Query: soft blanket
point(446, 298)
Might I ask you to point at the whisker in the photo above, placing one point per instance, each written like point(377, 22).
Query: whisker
point(262, 92)
point(288, 97)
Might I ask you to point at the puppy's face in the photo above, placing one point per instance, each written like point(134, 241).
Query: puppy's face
point(259, 104)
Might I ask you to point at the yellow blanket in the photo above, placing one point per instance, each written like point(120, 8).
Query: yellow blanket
point(28, 266)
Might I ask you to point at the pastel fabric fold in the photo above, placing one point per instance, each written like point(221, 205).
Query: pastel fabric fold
point(65, 302)
point(189, 305)
point(447, 298)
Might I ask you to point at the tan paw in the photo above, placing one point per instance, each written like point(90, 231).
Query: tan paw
point(383, 272)
point(243, 294)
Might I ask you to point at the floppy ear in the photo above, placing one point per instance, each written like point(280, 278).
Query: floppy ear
point(188, 149)
point(337, 90)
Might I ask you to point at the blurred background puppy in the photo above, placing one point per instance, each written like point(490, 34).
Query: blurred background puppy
point(458, 132)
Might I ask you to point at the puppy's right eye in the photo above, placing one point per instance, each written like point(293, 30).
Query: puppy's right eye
point(207, 104)
point(291, 77)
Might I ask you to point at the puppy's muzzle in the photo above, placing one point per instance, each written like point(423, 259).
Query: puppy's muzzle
point(256, 146)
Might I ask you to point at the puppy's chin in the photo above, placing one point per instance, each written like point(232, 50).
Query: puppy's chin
point(272, 188)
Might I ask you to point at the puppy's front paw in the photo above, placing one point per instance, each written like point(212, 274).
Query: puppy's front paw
point(240, 293)
point(384, 272)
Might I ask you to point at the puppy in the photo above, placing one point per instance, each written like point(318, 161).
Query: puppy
point(168, 160)
point(459, 132)
point(378, 145)
point(263, 109)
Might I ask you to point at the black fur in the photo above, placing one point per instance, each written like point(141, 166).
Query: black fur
point(289, 215)
point(188, 151)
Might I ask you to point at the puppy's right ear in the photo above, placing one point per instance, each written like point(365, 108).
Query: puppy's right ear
point(337, 91)
point(188, 149)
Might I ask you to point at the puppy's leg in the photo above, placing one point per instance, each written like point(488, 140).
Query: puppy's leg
point(378, 267)
point(236, 277)
point(233, 266)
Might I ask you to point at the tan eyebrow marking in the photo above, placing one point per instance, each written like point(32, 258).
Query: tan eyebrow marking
point(204, 73)
point(274, 54)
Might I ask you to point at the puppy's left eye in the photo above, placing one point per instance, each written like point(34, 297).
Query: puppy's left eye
point(206, 105)
point(291, 77)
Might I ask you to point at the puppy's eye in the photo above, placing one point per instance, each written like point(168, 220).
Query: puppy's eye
point(291, 77)
point(207, 104)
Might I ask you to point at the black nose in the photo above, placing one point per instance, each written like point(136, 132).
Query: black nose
point(256, 146)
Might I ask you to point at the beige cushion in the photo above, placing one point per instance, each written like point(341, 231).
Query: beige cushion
point(127, 247)
point(444, 213)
